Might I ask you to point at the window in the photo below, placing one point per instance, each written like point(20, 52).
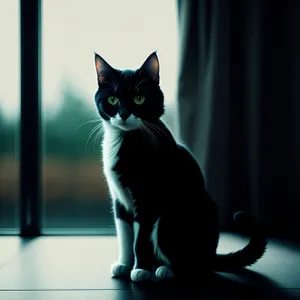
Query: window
point(9, 115)
point(124, 33)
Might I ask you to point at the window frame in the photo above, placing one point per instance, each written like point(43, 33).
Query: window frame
point(30, 126)
point(30, 118)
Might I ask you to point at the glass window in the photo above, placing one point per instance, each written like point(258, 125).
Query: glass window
point(124, 33)
point(9, 115)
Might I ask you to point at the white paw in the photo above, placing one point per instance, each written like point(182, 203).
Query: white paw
point(140, 275)
point(164, 273)
point(120, 270)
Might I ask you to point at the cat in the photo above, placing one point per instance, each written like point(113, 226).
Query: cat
point(166, 221)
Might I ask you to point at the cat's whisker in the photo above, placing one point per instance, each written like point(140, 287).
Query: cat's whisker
point(93, 131)
point(157, 145)
point(96, 120)
point(98, 126)
point(113, 85)
point(147, 134)
point(152, 137)
point(115, 82)
point(143, 132)
point(161, 132)
point(97, 138)
point(142, 81)
point(100, 135)
point(149, 137)
point(94, 141)
point(153, 127)
point(139, 75)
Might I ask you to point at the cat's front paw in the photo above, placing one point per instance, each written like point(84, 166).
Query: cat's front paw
point(120, 270)
point(141, 275)
point(164, 273)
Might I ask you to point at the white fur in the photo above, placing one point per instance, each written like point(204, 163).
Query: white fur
point(131, 122)
point(164, 273)
point(159, 254)
point(114, 131)
point(140, 275)
point(120, 270)
point(125, 239)
point(113, 135)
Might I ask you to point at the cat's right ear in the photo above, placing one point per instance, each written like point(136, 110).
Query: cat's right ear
point(103, 69)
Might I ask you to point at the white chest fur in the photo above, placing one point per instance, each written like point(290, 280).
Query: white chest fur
point(111, 144)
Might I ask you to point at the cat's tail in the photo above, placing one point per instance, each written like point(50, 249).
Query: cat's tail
point(248, 255)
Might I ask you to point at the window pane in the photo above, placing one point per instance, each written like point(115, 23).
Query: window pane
point(9, 115)
point(124, 33)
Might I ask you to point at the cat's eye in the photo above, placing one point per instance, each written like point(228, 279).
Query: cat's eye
point(113, 100)
point(139, 100)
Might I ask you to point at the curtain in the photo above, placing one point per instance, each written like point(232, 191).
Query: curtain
point(238, 104)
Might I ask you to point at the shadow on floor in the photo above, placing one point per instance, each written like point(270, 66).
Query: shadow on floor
point(244, 284)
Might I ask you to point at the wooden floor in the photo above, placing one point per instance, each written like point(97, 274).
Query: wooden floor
point(79, 268)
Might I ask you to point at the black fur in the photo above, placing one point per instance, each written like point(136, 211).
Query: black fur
point(166, 182)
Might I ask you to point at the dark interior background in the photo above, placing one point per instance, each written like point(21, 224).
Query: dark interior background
point(239, 104)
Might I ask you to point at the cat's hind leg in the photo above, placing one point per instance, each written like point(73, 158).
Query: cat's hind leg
point(186, 248)
point(164, 271)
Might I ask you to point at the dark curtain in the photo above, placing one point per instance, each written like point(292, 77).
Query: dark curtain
point(238, 102)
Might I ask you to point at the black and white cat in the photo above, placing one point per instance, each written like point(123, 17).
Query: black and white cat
point(166, 222)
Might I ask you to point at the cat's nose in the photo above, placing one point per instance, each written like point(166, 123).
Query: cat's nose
point(124, 115)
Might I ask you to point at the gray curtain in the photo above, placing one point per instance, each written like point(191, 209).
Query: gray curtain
point(239, 101)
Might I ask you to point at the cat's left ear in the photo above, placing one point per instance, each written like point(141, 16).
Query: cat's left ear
point(103, 69)
point(151, 67)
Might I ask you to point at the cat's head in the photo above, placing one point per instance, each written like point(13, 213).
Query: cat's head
point(126, 99)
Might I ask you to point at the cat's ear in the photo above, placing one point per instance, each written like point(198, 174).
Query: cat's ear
point(103, 69)
point(151, 67)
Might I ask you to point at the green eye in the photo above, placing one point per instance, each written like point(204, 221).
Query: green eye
point(139, 100)
point(113, 100)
